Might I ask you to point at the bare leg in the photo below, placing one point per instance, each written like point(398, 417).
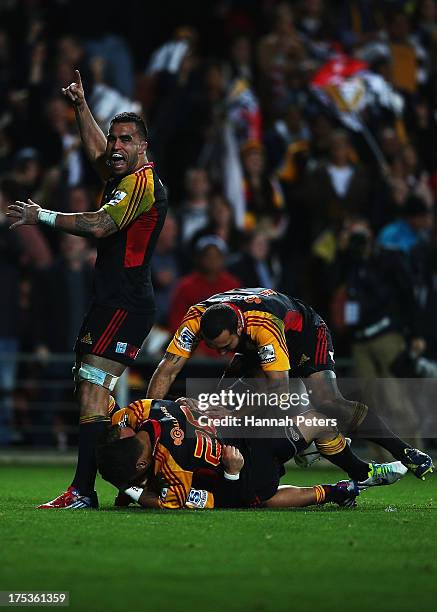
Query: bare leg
point(288, 496)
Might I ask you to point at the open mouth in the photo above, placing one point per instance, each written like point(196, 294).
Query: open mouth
point(117, 161)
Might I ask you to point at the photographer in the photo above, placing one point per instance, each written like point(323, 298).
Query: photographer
point(376, 304)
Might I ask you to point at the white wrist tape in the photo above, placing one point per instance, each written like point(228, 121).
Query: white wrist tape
point(134, 493)
point(231, 476)
point(47, 216)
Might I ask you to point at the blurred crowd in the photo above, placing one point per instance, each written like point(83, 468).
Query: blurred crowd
point(269, 182)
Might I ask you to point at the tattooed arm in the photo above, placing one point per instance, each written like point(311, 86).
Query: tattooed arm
point(164, 375)
point(89, 224)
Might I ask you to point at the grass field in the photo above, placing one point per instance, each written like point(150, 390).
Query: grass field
point(382, 555)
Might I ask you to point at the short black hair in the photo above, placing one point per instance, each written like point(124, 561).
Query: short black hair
point(131, 118)
point(216, 319)
point(117, 458)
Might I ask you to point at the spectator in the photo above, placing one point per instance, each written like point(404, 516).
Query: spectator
point(263, 193)
point(315, 25)
point(105, 102)
point(62, 298)
point(63, 295)
point(117, 60)
point(36, 252)
point(193, 214)
point(221, 223)
point(288, 135)
point(358, 22)
point(27, 171)
point(79, 199)
point(339, 189)
point(166, 268)
point(408, 177)
point(255, 266)
point(411, 230)
point(279, 51)
point(241, 58)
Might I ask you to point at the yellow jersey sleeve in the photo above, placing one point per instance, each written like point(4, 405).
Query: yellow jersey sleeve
point(197, 499)
point(187, 336)
point(133, 415)
point(267, 332)
point(134, 196)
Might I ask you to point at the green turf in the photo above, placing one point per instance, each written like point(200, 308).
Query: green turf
point(381, 555)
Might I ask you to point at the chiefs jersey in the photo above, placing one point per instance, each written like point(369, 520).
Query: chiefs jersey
point(266, 315)
point(187, 467)
point(186, 455)
point(137, 203)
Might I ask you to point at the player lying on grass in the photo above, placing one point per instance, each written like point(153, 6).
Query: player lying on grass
point(279, 337)
point(159, 453)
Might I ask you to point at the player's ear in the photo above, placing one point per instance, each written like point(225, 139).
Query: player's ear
point(143, 146)
point(142, 464)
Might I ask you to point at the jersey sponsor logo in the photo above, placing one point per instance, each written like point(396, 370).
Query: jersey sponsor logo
point(121, 347)
point(117, 198)
point(267, 354)
point(186, 339)
point(197, 498)
point(87, 339)
point(234, 297)
point(268, 292)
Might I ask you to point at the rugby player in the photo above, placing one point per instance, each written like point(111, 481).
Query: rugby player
point(126, 227)
point(279, 336)
point(161, 456)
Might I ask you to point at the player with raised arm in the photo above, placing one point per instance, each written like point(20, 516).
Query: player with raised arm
point(280, 336)
point(126, 227)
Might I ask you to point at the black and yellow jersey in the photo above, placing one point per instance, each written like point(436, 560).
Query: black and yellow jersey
point(137, 203)
point(269, 319)
point(187, 455)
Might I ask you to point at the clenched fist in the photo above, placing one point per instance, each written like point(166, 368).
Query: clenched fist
point(232, 460)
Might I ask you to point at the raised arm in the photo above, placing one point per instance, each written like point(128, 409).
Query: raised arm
point(164, 375)
point(93, 139)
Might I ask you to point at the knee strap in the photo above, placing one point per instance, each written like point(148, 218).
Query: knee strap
point(97, 377)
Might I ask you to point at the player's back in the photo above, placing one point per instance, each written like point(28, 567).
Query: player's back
point(259, 299)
